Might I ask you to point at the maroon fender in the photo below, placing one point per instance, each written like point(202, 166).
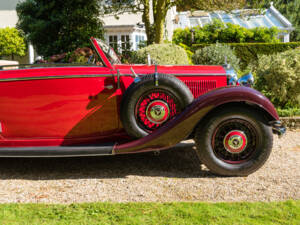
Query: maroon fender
point(183, 125)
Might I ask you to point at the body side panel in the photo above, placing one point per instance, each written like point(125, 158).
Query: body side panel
point(63, 107)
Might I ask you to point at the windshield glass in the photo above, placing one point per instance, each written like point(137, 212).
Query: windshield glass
point(109, 52)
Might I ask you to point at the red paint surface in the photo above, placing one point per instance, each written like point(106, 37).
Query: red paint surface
point(68, 110)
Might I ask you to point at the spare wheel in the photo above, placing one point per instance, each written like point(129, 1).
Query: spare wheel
point(147, 105)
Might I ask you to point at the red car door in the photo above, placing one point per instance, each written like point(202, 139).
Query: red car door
point(58, 103)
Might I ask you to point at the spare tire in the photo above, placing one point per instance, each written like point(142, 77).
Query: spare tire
point(146, 106)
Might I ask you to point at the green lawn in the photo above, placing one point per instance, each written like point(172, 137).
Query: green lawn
point(152, 213)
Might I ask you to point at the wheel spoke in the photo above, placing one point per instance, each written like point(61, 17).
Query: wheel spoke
point(152, 107)
point(231, 138)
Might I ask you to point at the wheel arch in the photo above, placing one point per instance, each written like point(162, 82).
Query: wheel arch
point(245, 104)
point(183, 125)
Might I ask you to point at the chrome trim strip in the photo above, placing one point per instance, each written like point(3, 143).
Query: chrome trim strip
point(185, 74)
point(55, 77)
point(203, 74)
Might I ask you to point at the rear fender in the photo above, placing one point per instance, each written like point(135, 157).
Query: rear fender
point(183, 125)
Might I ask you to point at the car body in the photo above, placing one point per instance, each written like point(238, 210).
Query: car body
point(76, 110)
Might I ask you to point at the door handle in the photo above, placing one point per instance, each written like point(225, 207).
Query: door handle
point(109, 87)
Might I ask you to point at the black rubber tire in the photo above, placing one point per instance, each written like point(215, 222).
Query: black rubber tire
point(146, 83)
point(204, 134)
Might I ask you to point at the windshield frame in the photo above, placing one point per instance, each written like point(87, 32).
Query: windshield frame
point(105, 52)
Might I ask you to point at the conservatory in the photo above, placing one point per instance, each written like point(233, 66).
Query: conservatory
point(270, 17)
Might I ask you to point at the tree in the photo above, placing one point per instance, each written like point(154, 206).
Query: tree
point(11, 42)
point(54, 27)
point(154, 24)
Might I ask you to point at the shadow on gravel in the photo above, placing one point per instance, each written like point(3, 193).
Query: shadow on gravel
point(180, 162)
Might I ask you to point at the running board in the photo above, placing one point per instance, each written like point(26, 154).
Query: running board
point(57, 151)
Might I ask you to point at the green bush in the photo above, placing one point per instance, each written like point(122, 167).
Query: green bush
point(288, 112)
point(278, 77)
point(248, 52)
point(164, 54)
point(219, 32)
point(11, 42)
point(216, 55)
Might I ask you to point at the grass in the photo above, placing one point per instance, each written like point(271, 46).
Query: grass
point(153, 213)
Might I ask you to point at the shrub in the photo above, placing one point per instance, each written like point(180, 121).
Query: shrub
point(278, 77)
point(288, 112)
point(219, 32)
point(11, 42)
point(216, 55)
point(248, 52)
point(164, 54)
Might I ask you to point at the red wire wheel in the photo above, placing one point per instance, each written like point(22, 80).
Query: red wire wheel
point(150, 102)
point(155, 108)
point(234, 141)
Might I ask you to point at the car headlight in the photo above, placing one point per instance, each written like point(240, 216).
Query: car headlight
point(231, 76)
point(247, 80)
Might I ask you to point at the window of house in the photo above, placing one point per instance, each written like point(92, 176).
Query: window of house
point(113, 42)
point(204, 20)
point(194, 22)
point(139, 39)
point(125, 42)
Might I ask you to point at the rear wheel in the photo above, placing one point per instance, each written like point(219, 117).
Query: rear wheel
point(234, 142)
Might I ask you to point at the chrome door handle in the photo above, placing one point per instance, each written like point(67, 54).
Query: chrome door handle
point(109, 87)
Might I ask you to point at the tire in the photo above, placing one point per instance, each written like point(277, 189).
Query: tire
point(234, 142)
point(146, 107)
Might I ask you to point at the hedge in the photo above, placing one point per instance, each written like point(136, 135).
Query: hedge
point(249, 52)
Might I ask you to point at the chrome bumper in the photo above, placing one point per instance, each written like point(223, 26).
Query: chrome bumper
point(278, 128)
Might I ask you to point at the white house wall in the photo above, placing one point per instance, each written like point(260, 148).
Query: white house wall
point(8, 14)
point(8, 18)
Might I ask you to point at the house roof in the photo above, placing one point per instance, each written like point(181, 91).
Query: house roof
point(270, 17)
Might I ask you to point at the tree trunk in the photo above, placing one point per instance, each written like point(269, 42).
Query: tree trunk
point(155, 31)
point(146, 20)
point(159, 20)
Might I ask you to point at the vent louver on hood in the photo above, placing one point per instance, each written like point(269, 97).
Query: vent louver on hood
point(200, 87)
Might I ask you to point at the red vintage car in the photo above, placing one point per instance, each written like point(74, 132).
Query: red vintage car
point(59, 110)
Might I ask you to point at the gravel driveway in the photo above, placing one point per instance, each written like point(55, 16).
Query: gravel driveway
point(171, 176)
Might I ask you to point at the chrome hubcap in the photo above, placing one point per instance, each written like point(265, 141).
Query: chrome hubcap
point(158, 112)
point(235, 141)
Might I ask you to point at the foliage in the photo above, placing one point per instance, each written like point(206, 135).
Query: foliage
point(164, 54)
point(219, 32)
point(288, 112)
point(278, 77)
point(211, 5)
point(60, 26)
point(248, 52)
point(155, 29)
point(11, 42)
point(216, 55)
point(188, 52)
point(254, 213)
point(290, 9)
